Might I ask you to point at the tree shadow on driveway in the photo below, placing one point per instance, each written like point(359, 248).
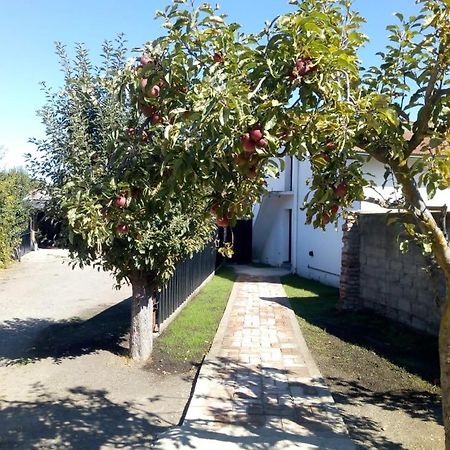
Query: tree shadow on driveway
point(82, 418)
point(26, 340)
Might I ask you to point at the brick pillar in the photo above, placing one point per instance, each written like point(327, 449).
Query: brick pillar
point(349, 284)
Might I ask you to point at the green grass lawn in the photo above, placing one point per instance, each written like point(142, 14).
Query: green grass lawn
point(361, 344)
point(190, 335)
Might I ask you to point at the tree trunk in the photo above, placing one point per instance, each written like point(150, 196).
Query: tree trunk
point(444, 357)
point(441, 251)
point(141, 331)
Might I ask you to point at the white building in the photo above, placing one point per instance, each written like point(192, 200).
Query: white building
point(281, 237)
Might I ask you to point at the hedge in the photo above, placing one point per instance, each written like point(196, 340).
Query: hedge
point(15, 185)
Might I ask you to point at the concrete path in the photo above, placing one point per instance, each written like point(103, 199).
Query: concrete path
point(259, 387)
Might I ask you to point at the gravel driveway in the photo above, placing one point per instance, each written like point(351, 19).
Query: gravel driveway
point(65, 381)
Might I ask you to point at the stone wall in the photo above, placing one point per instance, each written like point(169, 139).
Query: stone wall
point(394, 284)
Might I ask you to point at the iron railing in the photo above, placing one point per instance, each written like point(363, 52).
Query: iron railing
point(24, 247)
point(188, 276)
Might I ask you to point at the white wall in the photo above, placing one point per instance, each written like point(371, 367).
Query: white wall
point(325, 245)
point(376, 169)
point(283, 182)
point(271, 229)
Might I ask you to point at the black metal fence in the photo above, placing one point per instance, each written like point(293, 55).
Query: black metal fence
point(24, 247)
point(188, 276)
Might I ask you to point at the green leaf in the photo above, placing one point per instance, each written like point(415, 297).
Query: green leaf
point(311, 26)
point(404, 246)
point(271, 123)
point(224, 115)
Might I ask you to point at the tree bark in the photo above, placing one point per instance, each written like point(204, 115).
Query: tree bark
point(441, 251)
point(444, 358)
point(141, 331)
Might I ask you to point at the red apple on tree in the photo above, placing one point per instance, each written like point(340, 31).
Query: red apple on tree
point(121, 201)
point(263, 143)
point(256, 134)
point(340, 190)
point(247, 143)
point(303, 66)
point(155, 118)
point(242, 159)
point(122, 228)
point(145, 59)
point(330, 145)
point(334, 209)
point(252, 173)
point(222, 222)
point(324, 155)
point(218, 57)
point(154, 91)
point(214, 208)
point(147, 110)
point(325, 218)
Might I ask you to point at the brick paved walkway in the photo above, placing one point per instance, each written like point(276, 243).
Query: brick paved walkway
point(259, 388)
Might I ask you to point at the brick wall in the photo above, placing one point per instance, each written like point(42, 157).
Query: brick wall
point(394, 284)
point(349, 286)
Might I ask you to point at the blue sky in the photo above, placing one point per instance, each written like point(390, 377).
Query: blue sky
point(29, 28)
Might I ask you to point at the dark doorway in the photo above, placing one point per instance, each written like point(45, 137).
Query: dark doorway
point(243, 242)
point(241, 237)
point(47, 231)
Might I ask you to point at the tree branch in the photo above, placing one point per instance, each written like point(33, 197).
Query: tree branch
point(384, 203)
point(431, 97)
point(426, 221)
point(444, 210)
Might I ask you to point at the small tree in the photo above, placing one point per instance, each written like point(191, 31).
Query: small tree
point(105, 171)
point(133, 176)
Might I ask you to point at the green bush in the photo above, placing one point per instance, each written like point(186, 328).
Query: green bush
point(15, 185)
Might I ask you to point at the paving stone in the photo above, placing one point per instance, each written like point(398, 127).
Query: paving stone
point(259, 378)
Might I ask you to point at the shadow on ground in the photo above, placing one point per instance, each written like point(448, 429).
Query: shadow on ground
point(405, 347)
point(83, 419)
point(270, 410)
point(421, 405)
point(23, 341)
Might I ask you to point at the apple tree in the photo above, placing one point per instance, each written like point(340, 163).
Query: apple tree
point(404, 109)
point(298, 88)
point(138, 174)
point(105, 166)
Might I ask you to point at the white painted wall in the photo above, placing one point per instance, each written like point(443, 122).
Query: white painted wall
point(376, 169)
point(283, 182)
point(271, 227)
point(271, 230)
point(325, 245)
